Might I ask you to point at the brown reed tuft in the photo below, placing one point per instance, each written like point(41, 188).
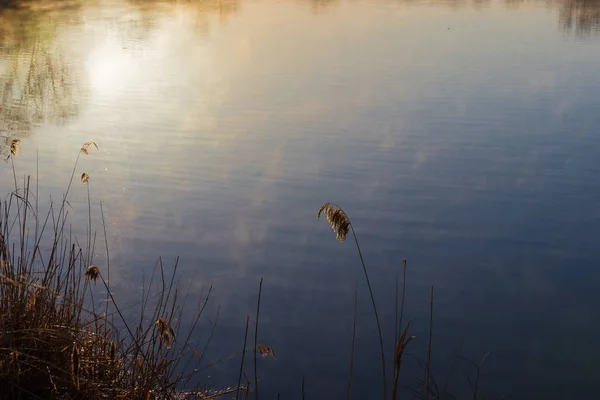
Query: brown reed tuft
point(92, 273)
point(85, 177)
point(14, 147)
point(87, 146)
point(166, 333)
point(337, 218)
point(265, 350)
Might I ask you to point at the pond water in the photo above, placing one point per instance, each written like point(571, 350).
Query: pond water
point(461, 136)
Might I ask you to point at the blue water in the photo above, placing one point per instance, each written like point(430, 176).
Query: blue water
point(461, 136)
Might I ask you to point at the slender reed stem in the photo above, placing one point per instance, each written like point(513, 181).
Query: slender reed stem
point(452, 369)
point(237, 392)
point(37, 188)
point(107, 258)
point(62, 206)
point(362, 261)
point(256, 339)
point(89, 244)
point(400, 340)
point(396, 306)
point(476, 390)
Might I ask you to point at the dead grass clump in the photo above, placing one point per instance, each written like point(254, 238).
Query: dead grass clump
point(58, 341)
point(48, 345)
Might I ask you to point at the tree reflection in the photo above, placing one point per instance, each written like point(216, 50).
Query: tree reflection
point(319, 6)
point(581, 16)
point(38, 83)
point(42, 57)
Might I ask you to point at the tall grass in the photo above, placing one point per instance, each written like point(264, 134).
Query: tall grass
point(57, 340)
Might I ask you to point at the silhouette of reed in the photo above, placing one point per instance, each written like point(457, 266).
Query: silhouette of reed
point(341, 225)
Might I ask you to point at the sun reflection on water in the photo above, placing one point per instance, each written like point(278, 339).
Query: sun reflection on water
point(109, 68)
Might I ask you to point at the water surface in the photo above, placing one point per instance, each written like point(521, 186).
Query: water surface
point(462, 136)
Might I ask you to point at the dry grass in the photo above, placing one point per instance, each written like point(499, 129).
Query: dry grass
point(58, 342)
point(87, 146)
point(50, 345)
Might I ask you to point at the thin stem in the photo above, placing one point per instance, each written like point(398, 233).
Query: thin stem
point(133, 337)
point(107, 259)
point(37, 188)
point(62, 206)
point(237, 392)
point(362, 261)
point(256, 339)
point(89, 247)
point(398, 361)
point(452, 368)
point(397, 367)
point(396, 305)
point(12, 160)
point(476, 390)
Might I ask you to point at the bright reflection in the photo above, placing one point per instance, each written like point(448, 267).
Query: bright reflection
point(109, 69)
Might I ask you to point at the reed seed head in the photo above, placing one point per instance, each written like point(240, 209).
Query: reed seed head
point(337, 218)
point(166, 333)
point(85, 177)
point(14, 147)
point(87, 146)
point(92, 272)
point(265, 350)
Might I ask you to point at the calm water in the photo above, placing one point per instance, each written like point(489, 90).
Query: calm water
point(462, 136)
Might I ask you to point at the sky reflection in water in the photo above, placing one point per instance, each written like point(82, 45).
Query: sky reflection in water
point(458, 135)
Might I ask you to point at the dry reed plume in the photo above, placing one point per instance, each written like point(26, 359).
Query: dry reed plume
point(337, 218)
point(265, 351)
point(15, 146)
point(165, 331)
point(87, 146)
point(92, 273)
point(85, 177)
